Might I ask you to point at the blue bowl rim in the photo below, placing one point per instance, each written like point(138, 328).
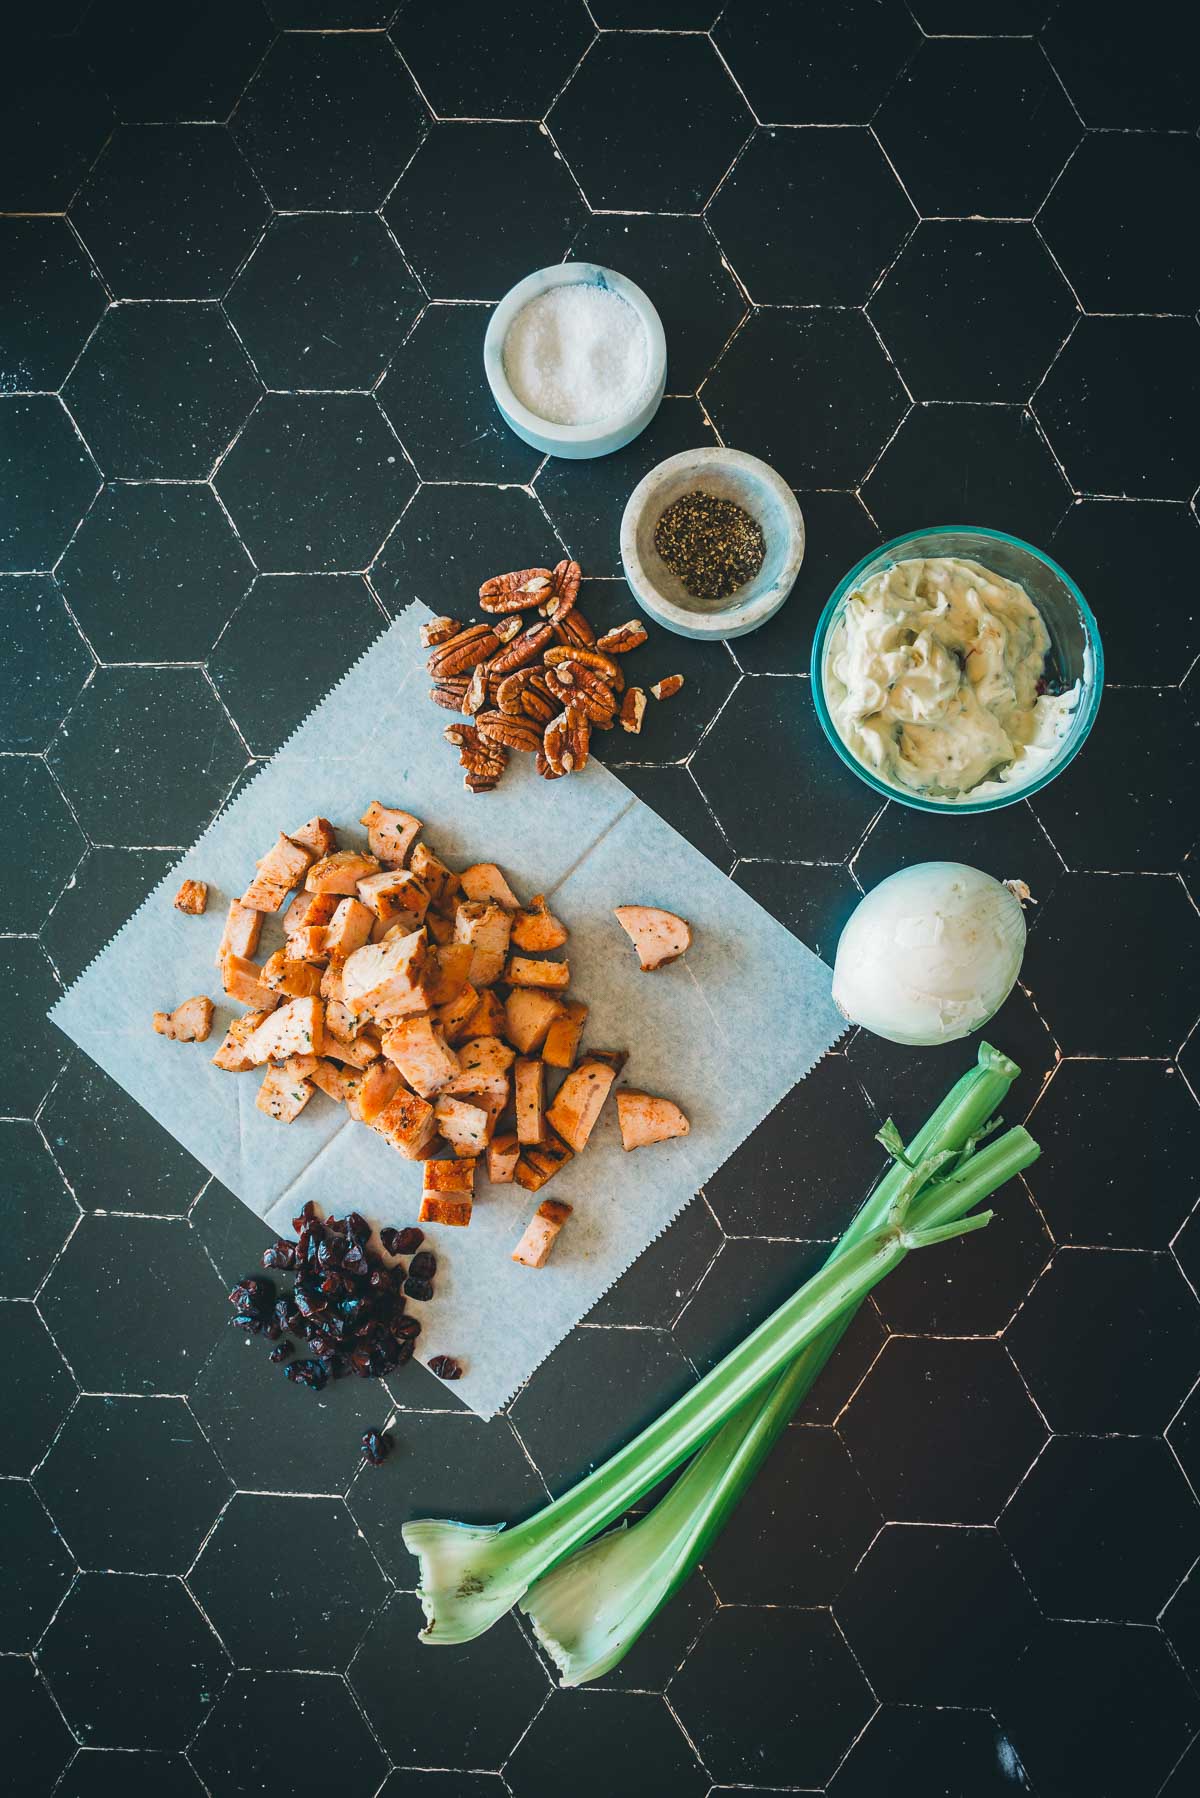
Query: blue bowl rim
point(1085, 717)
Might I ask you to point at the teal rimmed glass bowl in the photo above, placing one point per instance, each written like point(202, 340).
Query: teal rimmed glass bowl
point(1075, 650)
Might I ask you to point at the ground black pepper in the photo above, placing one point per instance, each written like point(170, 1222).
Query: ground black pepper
point(711, 544)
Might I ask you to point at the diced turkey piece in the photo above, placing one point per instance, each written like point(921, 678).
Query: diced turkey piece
point(395, 897)
point(339, 872)
point(308, 944)
point(534, 1248)
point(528, 1016)
point(658, 936)
point(481, 1057)
point(489, 1017)
point(333, 1080)
point(190, 1022)
point(390, 979)
point(440, 928)
point(452, 1208)
point(579, 1102)
point(318, 836)
point(243, 927)
point(529, 1091)
point(286, 863)
point(447, 1192)
point(420, 1051)
point(455, 1015)
point(484, 883)
point(465, 1126)
point(612, 1058)
point(442, 886)
point(281, 1096)
point(359, 1054)
point(535, 928)
point(486, 926)
point(340, 1023)
point(375, 1087)
point(522, 970)
point(503, 1154)
point(295, 1029)
point(231, 1056)
point(562, 1039)
point(192, 897)
point(301, 1067)
point(264, 895)
point(240, 979)
point(390, 833)
point(348, 929)
point(540, 1164)
point(308, 910)
point(296, 979)
point(645, 1119)
point(408, 1123)
point(454, 965)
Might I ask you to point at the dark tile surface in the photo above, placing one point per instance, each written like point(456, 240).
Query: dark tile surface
point(814, 899)
point(38, 1572)
point(51, 843)
point(833, 73)
point(597, 1728)
point(1009, 845)
point(104, 890)
point(114, 1155)
point(41, 1212)
point(1140, 820)
point(142, 1773)
point(947, 463)
point(32, 988)
point(195, 70)
point(838, 533)
point(479, 61)
point(54, 123)
point(973, 1287)
point(448, 534)
point(951, 1752)
point(438, 399)
point(38, 1394)
point(1110, 222)
point(1128, 79)
point(46, 661)
point(260, 1718)
point(49, 481)
point(1106, 545)
point(37, 1743)
point(1181, 1622)
point(673, 793)
point(660, 1282)
point(50, 299)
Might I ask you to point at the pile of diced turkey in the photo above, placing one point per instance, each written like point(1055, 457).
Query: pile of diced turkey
point(431, 1004)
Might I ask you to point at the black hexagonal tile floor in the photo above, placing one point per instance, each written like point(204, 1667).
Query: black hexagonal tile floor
point(169, 212)
point(229, 1230)
point(502, 1673)
point(582, 498)
point(49, 481)
point(329, 121)
point(241, 1579)
point(106, 1480)
point(1110, 224)
point(1091, 1165)
point(811, 217)
point(51, 842)
point(653, 15)
point(430, 1782)
point(630, 1376)
point(261, 1716)
point(662, 1279)
point(324, 301)
point(161, 390)
point(452, 538)
point(194, 70)
point(1099, 1708)
point(448, 1464)
point(46, 661)
point(943, 312)
point(951, 1752)
point(1107, 544)
point(315, 482)
point(154, 573)
point(949, 177)
point(1134, 78)
point(834, 73)
point(814, 1157)
point(926, 1587)
point(40, 1214)
point(972, 1286)
point(1186, 1249)
point(838, 533)
point(34, 1740)
point(134, 1305)
point(691, 123)
point(918, 1396)
point(827, 808)
point(1008, 844)
point(144, 1773)
point(968, 461)
point(318, 625)
point(1142, 930)
point(114, 1154)
point(1120, 380)
point(484, 62)
point(38, 1393)
point(32, 989)
point(809, 1471)
point(680, 267)
point(792, 1699)
point(591, 1732)
point(480, 205)
point(813, 899)
point(1119, 1548)
point(272, 1435)
point(1184, 1436)
point(1181, 1622)
point(439, 402)
point(811, 392)
point(105, 889)
point(49, 302)
point(38, 1568)
point(1100, 1302)
point(130, 774)
point(662, 1648)
point(674, 795)
point(155, 1698)
point(56, 118)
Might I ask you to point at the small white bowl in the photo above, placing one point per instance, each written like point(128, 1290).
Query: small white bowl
point(603, 435)
point(751, 484)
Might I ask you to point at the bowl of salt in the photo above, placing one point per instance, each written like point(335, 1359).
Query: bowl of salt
point(576, 359)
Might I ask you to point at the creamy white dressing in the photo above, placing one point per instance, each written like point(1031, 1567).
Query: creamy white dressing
point(932, 675)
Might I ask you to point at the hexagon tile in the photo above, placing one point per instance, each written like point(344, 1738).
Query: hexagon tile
point(931, 260)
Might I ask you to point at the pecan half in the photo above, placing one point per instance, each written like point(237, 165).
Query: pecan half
point(668, 687)
point(450, 693)
point(633, 709)
point(508, 628)
point(458, 655)
point(544, 769)
point(625, 637)
point(475, 697)
point(525, 648)
point(574, 628)
point(566, 579)
point(513, 592)
point(576, 685)
point(556, 745)
point(514, 733)
point(579, 736)
point(587, 658)
point(477, 754)
point(439, 630)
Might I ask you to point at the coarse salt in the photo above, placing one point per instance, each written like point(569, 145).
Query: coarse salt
point(575, 354)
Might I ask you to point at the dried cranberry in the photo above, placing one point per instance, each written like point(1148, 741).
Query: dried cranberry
point(307, 1214)
point(445, 1367)
point(422, 1266)
point(418, 1289)
point(390, 1239)
point(307, 1373)
point(376, 1447)
point(404, 1350)
point(281, 1351)
point(280, 1254)
point(405, 1326)
point(247, 1320)
point(410, 1240)
point(358, 1226)
point(355, 1261)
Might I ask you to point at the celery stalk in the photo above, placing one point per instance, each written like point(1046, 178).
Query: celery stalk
point(469, 1576)
point(592, 1606)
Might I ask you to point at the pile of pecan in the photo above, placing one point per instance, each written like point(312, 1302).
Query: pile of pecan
point(541, 687)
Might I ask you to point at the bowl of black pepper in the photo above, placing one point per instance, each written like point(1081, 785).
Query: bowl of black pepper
point(711, 543)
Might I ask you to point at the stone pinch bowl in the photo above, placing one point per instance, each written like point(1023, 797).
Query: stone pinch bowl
point(603, 435)
point(751, 484)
